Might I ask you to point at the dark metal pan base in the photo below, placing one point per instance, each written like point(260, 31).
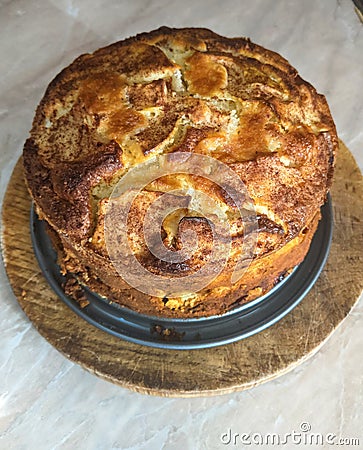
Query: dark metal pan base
point(185, 334)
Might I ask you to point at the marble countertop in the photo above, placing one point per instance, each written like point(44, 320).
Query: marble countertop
point(48, 402)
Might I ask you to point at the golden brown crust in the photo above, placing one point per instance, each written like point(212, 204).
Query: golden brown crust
point(185, 90)
point(263, 274)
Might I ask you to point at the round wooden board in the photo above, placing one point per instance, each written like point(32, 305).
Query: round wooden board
point(187, 373)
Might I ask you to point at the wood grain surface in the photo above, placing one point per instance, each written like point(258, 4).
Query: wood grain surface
point(218, 370)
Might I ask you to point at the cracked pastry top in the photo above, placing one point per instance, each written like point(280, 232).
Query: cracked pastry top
point(181, 90)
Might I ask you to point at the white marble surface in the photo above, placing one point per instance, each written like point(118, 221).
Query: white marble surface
point(47, 402)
